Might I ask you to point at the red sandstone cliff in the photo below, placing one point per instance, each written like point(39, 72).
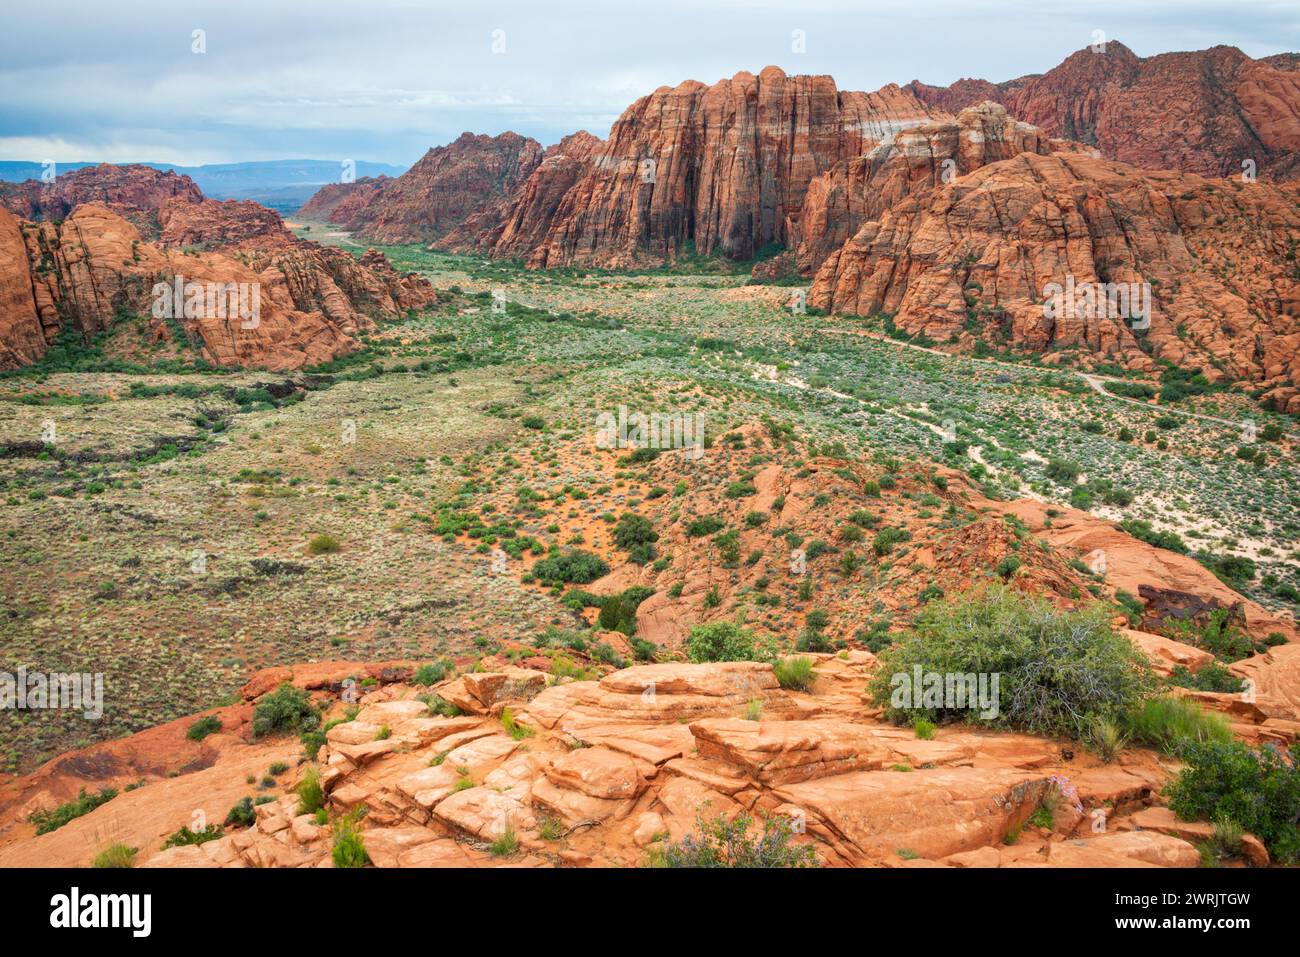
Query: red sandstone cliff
point(1204, 112)
point(447, 186)
point(972, 261)
point(91, 269)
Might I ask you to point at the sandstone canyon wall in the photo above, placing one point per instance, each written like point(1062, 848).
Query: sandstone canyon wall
point(88, 270)
point(1204, 112)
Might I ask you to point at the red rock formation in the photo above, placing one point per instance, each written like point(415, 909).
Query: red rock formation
point(974, 260)
point(134, 192)
point(723, 168)
point(209, 223)
point(447, 186)
point(514, 227)
point(95, 267)
point(1203, 112)
point(341, 199)
point(914, 161)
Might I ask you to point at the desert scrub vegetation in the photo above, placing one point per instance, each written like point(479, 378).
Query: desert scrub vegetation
point(324, 545)
point(116, 856)
point(1169, 723)
point(574, 566)
point(47, 820)
point(286, 709)
point(184, 836)
point(718, 842)
point(311, 795)
point(1058, 670)
point(348, 849)
point(726, 641)
point(794, 673)
point(1256, 789)
point(209, 724)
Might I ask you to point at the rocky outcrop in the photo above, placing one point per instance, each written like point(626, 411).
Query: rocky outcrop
point(343, 199)
point(604, 772)
point(1206, 111)
point(134, 192)
point(446, 187)
point(99, 264)
point(913, 162)
point(976, 260)
point(719, 169)
point(514, 227)
point(209, 223)
point(94, 270)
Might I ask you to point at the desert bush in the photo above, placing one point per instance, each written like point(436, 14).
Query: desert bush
point(323, 545)
point(116, 856)
point(311, 796)
point(1058, 670)
point(348, 849)
point(1169, 723)
point(185, 836)
point(722, 843)
point(1259, 790)
point(286, 709)
point(433, 672)
point(209, 724)
point(241, 814)
point(47, 820)
point(723, 641)
point(574, 566)
point(795, 673)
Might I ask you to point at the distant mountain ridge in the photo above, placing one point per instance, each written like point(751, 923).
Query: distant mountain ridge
point(283, 185)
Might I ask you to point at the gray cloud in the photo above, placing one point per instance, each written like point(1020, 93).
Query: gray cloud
point(386, 79)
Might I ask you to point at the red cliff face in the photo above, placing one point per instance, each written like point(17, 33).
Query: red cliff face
point(914, 161)
point(446, 187)
point(94, 266)
point(341, 200)
point(974, 260)
point(516, 226)
point(1202, 112)
point(133, 192)
point(722, 168)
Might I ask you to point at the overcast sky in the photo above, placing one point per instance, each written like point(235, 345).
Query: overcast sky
point(386, 79)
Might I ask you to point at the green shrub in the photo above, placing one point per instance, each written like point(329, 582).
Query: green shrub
point(116, 856)
point(311, 796)
point(795, 673)
point(506, 844)
point(323, 545)
point(209, 724)
point(723, 641)
point(241, 814)
point(1257, 790)
point(1143, 532)
point(722, 843)
point(1058, 670)
point(1169, 723)
point(1216, 634)
point(1211, 677)
point(574, 566)
point(286, 709)
point(348, 850)
point(185, 836)
point(705, 526)
point(434, 672)
point(633, 530)
point(52, 820)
